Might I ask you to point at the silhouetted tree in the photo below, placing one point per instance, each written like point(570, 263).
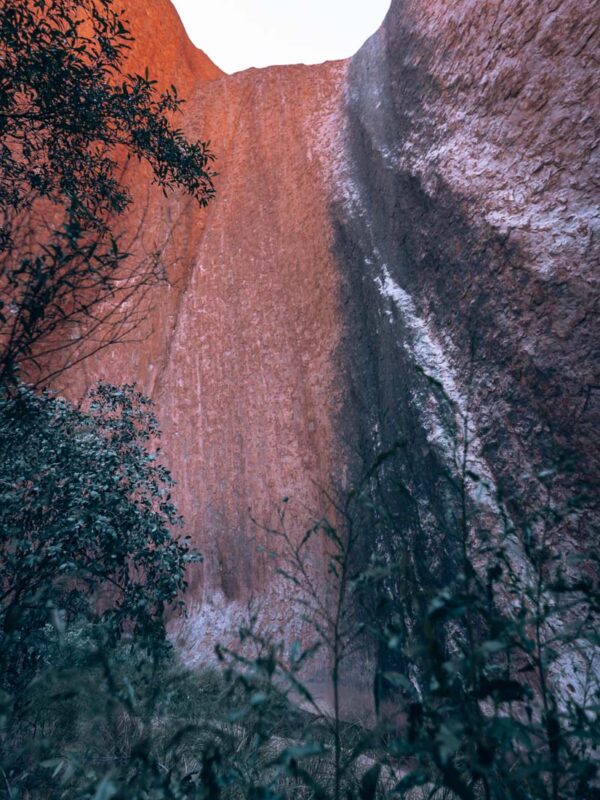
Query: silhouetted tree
point(69, 116)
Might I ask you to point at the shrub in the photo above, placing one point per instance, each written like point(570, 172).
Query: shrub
point(86, 517)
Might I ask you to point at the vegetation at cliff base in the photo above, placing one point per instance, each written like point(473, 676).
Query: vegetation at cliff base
point(86, 517)
point(89, 560)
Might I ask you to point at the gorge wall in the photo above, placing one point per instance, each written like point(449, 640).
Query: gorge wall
point(403, 248)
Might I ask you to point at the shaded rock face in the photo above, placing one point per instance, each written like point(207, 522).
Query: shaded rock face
point(471, 249)
point(402, 249)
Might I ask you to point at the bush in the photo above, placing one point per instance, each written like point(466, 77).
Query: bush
point(86, 519)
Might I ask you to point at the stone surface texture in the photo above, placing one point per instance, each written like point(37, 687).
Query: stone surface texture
point(403, 246)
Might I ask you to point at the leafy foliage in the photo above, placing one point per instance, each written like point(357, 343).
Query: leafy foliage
point(86, 519)
point(69, 116)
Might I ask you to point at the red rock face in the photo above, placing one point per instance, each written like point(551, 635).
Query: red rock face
point(398, 241)
point(162, 45)
point(237, 347)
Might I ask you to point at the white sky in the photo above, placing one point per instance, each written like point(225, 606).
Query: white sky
point(238, 34)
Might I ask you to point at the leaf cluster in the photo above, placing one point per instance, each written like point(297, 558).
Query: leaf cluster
point(70, 117)
point(86, 519)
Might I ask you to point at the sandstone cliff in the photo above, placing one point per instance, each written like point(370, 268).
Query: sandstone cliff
point(403, 247)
